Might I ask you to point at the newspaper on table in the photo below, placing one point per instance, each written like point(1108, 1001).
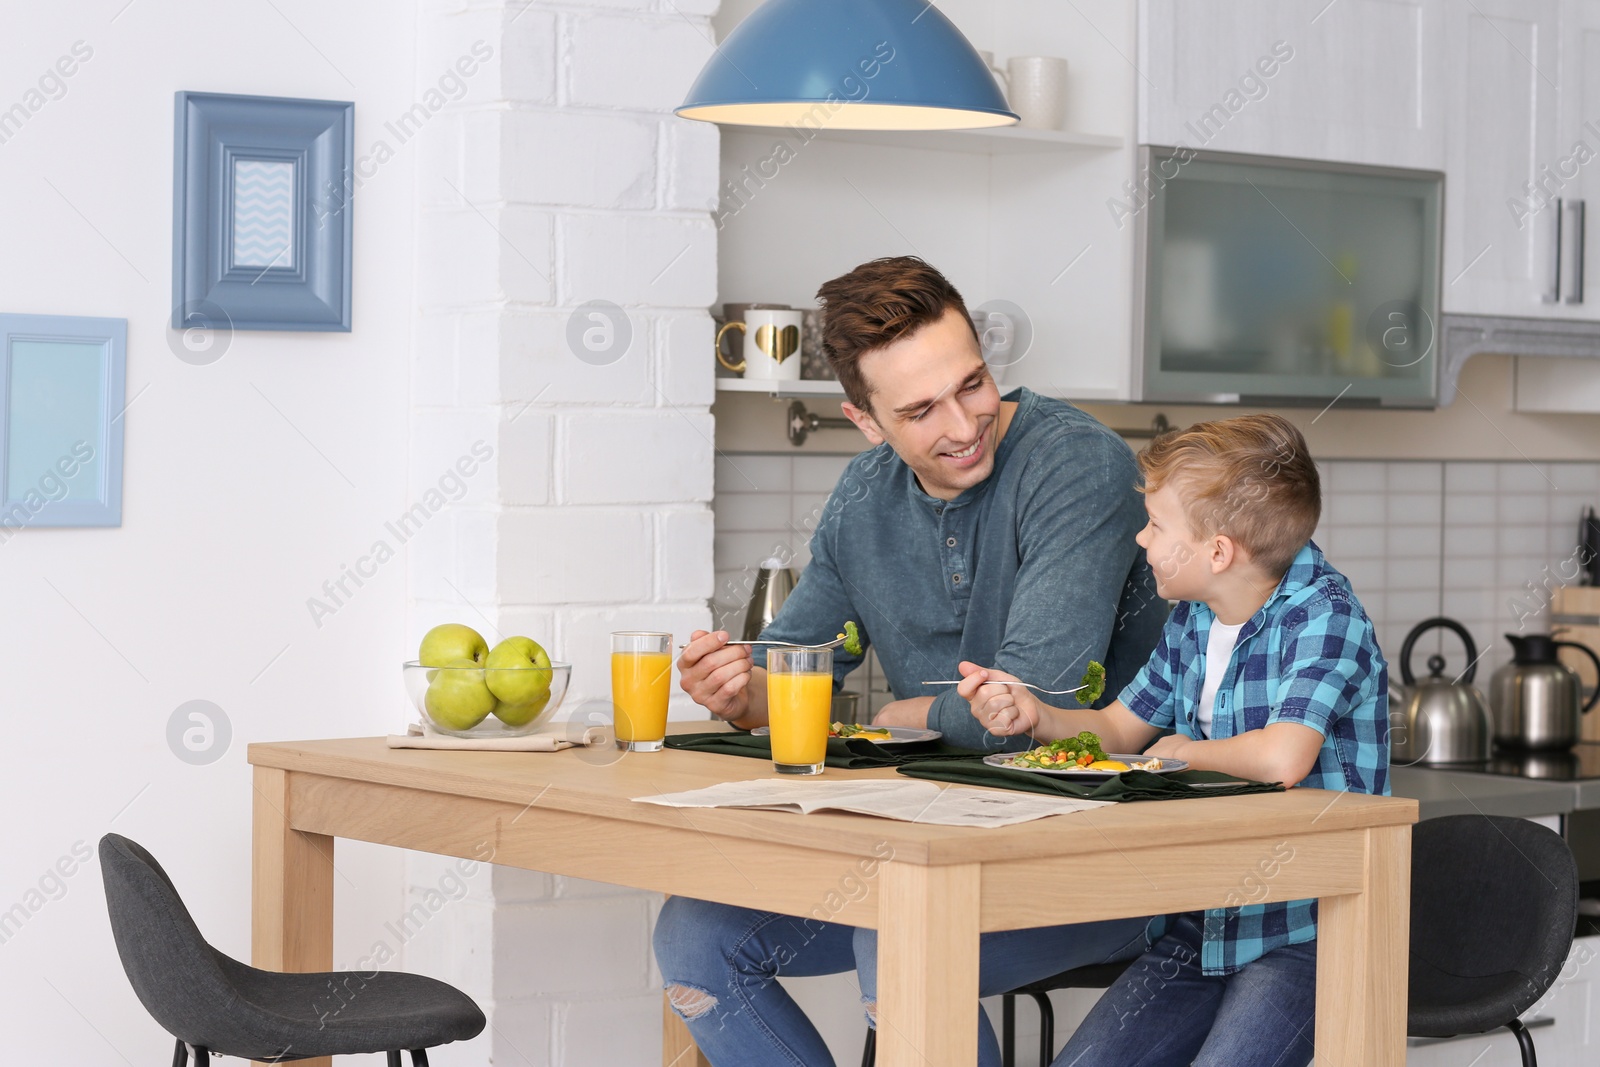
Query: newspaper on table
point(905, 800)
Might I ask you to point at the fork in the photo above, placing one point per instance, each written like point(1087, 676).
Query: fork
point(835, 643)
point(1025, 685)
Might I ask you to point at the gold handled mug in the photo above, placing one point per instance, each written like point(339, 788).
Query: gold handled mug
point(772, 345)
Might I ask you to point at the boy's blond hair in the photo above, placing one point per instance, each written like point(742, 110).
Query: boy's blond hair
point(1251, 478)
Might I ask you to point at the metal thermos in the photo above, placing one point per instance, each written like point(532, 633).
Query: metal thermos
point(774, 583)
point(1537, 700)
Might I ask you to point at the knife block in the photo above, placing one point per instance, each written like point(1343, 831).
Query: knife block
point(1575, 616)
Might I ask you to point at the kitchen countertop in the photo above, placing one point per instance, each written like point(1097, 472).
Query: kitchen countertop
point(1439, 791)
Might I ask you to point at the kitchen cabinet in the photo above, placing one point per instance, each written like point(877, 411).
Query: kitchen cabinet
point(1353, 81)
point(1572, 174)
point(1502, 128)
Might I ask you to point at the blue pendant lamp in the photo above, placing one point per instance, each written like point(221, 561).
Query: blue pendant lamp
point(848, 65)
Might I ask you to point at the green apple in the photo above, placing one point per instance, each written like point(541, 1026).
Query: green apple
point(458, 699)
point(521, 714)
point(519, 672)
point(452, 645)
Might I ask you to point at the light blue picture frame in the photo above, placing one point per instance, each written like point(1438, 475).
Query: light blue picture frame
point(261, 230)
point(62, 394)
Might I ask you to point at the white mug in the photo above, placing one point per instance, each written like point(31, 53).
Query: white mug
point(1037, 90)
point(771, 345)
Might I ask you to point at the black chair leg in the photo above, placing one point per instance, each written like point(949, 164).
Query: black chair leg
point(1524, 1042)
point(202, 1057)
point(1047, 1028)
point(869, 1051)
point(1008, 1031)
point(180, 1055)
point(393, 1056)
point(419, 1057)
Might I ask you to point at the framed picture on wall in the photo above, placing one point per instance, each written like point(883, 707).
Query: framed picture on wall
point(261, 212)
point(62, 389)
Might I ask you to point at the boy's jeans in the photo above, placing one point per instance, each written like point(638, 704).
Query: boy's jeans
point(720, 963)
point(1163, 1011)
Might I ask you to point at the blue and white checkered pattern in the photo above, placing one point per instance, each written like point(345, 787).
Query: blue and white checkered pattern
point(1308, 656)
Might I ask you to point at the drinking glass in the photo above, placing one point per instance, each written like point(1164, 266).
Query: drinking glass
point(799, 701)
point(641, 676)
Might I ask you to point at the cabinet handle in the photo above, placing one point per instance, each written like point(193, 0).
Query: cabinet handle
point(1575, 218)
point(1552, 289)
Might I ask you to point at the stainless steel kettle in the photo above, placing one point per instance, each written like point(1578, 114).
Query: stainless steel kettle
point(774, 583)
point(1440, 721)
point(1537, 699)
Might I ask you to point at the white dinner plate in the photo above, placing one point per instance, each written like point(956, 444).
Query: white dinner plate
point(1002, 760)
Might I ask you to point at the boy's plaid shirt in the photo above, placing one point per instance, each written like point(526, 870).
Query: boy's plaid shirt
point(1308, 656)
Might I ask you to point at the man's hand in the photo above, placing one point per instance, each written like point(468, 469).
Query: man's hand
point(716, 675)
point(1169, 747)
point(912, 713)
point(1003, 710)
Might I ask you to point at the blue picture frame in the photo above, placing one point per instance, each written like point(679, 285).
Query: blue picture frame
point(63, 383)
point(261, 230)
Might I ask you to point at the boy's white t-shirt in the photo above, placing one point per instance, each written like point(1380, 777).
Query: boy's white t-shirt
point(1219, 652)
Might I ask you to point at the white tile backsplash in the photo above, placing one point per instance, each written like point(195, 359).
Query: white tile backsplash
point(1414, 477)
point(1469, 508)
point(818, 473)
point(1470, 477)
point(1355, 508)
point(752, 473)
point(1415, 538)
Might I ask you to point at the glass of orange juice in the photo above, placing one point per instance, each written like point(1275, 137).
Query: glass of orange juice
point(799, 701)
point(641, 676)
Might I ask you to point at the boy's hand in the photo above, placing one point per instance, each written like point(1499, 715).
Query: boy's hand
point(1169, 747)
point(1003, 710)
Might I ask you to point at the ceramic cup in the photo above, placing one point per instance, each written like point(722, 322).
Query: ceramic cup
point(1037, 90)
point(734, 346)
point(772, 345)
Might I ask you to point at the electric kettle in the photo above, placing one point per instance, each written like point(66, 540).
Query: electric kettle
point(774, 583)
point(1537, 700)
point(1440, 721)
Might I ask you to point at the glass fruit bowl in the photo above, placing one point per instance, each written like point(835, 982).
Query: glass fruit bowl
point(486, 701)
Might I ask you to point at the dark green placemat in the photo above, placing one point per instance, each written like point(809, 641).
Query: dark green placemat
point(841, 753)
point(1129, 785)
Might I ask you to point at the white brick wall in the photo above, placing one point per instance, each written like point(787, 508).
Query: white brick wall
point(558, 176)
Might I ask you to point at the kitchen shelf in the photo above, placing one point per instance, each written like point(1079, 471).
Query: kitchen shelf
point(780, 389)
point(998, 141)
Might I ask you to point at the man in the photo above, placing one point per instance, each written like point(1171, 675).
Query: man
point(996, 530)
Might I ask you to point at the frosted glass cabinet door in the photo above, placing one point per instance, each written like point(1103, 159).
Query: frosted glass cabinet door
point(1281, 281)
point(61, 402)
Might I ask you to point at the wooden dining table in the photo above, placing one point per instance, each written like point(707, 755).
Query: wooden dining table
point(928, 890)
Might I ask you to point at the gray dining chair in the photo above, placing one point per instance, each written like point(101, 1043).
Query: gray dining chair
point(1494, 905)
point(213, 1004)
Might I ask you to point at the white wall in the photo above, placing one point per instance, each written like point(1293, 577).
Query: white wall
point(556, 178)
point(247, 483)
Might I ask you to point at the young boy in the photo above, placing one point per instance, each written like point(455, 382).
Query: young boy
point(1267, 669)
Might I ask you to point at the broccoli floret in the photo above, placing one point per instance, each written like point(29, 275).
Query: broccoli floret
point(1094, 683)
point(852, 638)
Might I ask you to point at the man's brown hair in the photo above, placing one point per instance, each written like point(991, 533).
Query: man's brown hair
point(875, 305)
point(1251, 478)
